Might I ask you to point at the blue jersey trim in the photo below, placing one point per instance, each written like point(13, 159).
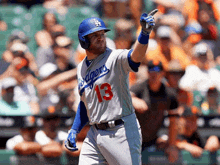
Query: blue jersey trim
point(134, 66)
point(88, 62)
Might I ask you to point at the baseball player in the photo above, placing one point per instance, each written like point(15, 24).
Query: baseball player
point(115, 136)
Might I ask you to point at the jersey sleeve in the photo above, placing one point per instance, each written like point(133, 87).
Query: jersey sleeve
point(125, 61)
point(134, 66)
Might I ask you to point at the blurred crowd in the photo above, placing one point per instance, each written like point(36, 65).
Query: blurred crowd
point(179, 76)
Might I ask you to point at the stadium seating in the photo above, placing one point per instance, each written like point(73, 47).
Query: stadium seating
point(4, 35)
point(81, 12)
point(7, 157)
point(148, 6)
point(32, 45)
point(17, 18)
point(29, 21)
point(12, 10)
point(14, 16)
point(110, 23)
point(185, 158)
point(37, 12)
point(153, 157)
point(190, 160)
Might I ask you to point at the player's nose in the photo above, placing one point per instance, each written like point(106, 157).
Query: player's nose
point(101, 37)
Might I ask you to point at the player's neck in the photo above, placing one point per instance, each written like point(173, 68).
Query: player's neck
point(91, 56)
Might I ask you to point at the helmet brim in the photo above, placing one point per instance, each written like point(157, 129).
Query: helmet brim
point(95, 30)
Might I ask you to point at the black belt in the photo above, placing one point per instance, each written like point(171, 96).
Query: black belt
point(109, 124)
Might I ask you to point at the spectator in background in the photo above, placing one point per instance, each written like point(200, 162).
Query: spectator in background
point(15, 36)
point(47, 95)
point(174, 73)
point(170, 13)
point(66, 102)
point(25, 143)
point(25, 89)
point(200, 75)
point(193, 35)
point(151, 99)
point(20, 69)
point(7, 105)
point(124, 38)
point(57, 30)
point(53, 82)
point(20, 50)
point(166, 50)
point(208, 104)
point(64, 53)
point(173, 76)
point(50, 137)
point(206, 13)
point(136, 8)
point(43, 37)
point(189, 139)
point(46, 54)
point(213, 100)
point(18, 35)
point(192, 8)
point(210, 30)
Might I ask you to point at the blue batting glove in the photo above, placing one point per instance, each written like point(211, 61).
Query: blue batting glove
point(147, 21)
point(70, 143)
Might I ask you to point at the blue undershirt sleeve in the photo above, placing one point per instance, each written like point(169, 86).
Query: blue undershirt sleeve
point(134, 66)
point(81, 118)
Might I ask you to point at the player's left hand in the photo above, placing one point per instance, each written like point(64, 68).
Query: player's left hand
point(70, 143)
point(147, 21)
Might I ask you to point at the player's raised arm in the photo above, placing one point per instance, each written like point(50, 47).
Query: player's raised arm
point(147, 22)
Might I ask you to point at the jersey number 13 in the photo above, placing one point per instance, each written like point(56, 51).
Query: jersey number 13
point(108, 92)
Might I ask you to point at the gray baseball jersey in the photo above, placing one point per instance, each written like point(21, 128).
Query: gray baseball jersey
point(103, 86)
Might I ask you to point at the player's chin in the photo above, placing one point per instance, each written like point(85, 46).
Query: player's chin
point(98, 49)
point(101, 50)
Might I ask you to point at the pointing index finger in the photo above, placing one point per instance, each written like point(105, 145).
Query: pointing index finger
point(153, 12)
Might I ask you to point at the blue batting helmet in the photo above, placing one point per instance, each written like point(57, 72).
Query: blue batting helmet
point(88, 26)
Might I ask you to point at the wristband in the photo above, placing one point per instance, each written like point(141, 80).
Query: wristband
point(143, 38)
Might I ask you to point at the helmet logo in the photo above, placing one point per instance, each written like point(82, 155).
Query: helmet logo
point(97, 23)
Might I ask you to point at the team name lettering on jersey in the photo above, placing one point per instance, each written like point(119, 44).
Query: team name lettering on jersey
point(91, 77)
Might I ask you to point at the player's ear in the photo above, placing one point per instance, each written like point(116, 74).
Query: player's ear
point(84, 41)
